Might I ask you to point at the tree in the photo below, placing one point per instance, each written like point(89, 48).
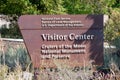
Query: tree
point(88, 6)
point(49, 6)
point(112, 28)
point(16, 8)
point(13, 9)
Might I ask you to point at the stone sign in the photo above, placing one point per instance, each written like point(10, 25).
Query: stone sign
point(74, 39)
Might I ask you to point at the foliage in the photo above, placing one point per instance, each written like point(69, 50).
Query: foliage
point(12, 32)
point(3, 71)
point(15, 55)
point(112, 28)
point(51, 7)
point(110, 58)
point(88, 6)
point(15, 8)
point(64, 72)
point(20, 7)
point(117, 4)
point(16, 74)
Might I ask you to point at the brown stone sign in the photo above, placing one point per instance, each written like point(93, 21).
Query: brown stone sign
point(74, 39)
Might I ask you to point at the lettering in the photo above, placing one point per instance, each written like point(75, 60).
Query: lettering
point(70, 37)
point(54, 37)
point(73, 36)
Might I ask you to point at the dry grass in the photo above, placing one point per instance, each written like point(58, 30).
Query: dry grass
point(61, 72)
point(64, 72)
